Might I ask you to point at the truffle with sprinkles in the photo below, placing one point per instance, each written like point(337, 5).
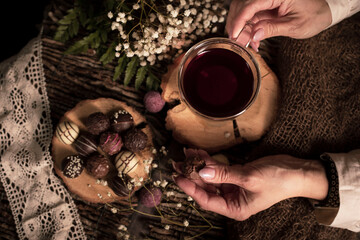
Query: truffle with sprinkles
point(121, 121)
point(72, 166)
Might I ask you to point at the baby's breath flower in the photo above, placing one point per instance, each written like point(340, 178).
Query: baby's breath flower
point(122, 228)
point(170, 193)
point(136, 6)
point(110, 15)
point(186, 223)
point(167, 227)
point(113, 210)
point(169, 8)
point(164, 183)
point(179, 205)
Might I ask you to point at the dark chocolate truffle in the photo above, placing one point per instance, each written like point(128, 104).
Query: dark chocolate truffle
point(85, 144)
point(72, 166)
point(135, 140)
point(110, 142)
point(119, 186)
point(192, 166)
point(98, 166)
point(150, 196)
point(121, 121)
point(97, 123)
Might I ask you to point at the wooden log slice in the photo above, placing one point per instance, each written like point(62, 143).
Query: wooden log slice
point(86, 186)
point(196, 131)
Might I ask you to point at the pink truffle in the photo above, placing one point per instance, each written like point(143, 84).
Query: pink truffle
point(153, 102)
point(150, 197)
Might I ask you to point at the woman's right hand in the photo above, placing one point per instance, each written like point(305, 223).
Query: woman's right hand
point(239, 191)
point(293, 18)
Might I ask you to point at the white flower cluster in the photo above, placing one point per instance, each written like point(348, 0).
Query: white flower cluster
point(153, 34)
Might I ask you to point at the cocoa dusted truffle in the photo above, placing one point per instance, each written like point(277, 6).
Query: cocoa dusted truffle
point(119, 186)
point(153, 101)
point(85, 144)
point(72, 166)
point(192, 166)
point(135, 140)
point(110, 142)
point(98, 166)
point(97, 123)
point(150, 196)
point(121, 121)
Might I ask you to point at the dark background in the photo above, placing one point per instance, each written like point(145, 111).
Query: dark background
point(20, 21)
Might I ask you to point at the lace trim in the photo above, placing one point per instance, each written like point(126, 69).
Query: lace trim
point(41, 206)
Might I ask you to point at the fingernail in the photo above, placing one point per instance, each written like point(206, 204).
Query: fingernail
point(259, 34)
point(254, 47)
point(207, 173)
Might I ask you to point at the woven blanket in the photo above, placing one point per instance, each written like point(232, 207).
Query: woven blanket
point(319, 112)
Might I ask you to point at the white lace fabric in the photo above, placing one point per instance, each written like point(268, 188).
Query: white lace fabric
point(41, 206)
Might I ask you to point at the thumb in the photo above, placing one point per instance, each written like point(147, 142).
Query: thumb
point(223, 174)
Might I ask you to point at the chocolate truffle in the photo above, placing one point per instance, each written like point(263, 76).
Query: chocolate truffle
point(85, 144)
point(97, 123)
point(150, 196)
point(121, 121)
point(119, 186)
point(72, 166)
point(135, 140)
point(67, 132)
point(126, 162)
point(98, 166)
point(153, 102)
point(192, 166)
point(110, 143)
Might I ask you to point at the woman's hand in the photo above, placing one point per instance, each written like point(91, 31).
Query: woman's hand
point(293, 18)
point(240, 191)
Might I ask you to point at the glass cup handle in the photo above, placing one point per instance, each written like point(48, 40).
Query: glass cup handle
point(245, 40)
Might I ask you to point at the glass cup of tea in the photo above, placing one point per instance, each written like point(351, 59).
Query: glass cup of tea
point(218, 79)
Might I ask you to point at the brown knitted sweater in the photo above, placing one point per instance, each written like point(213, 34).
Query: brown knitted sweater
point(319, 112)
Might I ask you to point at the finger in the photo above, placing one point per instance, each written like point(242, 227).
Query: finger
point(224, 174)
point(234, 8)
point(263, 15)
point(206, 200)
point(255, 46)
point(273, 27)
point(247, 12)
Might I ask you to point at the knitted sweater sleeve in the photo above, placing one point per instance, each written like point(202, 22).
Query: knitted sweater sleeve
point(348, 169)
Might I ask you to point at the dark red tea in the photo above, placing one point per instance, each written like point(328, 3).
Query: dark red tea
point(218, 83)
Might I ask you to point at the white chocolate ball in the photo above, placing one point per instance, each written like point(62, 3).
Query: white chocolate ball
point(67, 132)
point(126, 162)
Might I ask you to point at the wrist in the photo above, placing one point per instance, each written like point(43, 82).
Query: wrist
point(314, 183)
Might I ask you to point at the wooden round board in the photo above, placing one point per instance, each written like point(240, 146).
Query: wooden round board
point(86, 186)
point(212, 136)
